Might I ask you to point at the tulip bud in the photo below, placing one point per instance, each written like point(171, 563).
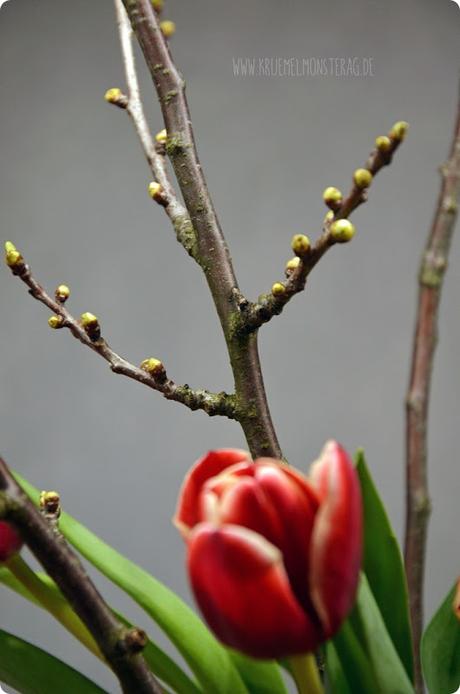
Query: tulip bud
point(383, 143)
point(292, 265)
point(278, 289)
point(62, 293)
point(300, 244)
point(116, 97)
point(155, 368)
point(90, 323)
point(10, 541)
point(399, 130)
point(342, 230)
point(362, 178)
point(162, 136)
point(55, 322)
point(168, 28)
point(332, 197)
point(273, 557)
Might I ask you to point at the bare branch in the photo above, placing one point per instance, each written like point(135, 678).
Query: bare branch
point(272, 304)
point(89, 335)
point(207, 243)
point(113, 638)
point(154, 151)
point(432, 269)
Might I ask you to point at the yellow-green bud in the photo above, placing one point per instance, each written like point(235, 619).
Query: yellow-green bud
point(278, 289)
point(154, 189)
point(55, 322)
point(362, 178)
point(13, 258)
point(332, 197)
point(90, 323)
point(155, 368)
point(342, 230)
point(115, 96)
point(168, 28)
point(156, 193)
point(157, 5)
point(300, 244)
point(399, 130)
point(383, 143)
point(162, 136)
point(50, 501)
point(291, 265)
point(62, 293)
point(328, 217)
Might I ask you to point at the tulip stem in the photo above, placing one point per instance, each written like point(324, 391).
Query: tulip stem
point(306, 675)
point(53, 602)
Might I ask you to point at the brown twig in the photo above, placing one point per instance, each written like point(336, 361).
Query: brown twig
point(268, 305)
point(431, 275)
point(113, 638)
point(154, 152)
point(205, 240)
point(211, 403)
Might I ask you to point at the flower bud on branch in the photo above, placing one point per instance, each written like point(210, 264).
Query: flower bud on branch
point(90, 324)
point(168, 28)
point(116, 97)
point(62, 293)
point(301, 245)
point(332, 197)
point(155, 368)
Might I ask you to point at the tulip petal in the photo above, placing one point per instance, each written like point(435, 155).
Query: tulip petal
point(10, 541)
point(336, 543)
point(188, 511)
point(246, 504)
point(295, 504)
point(242, 589)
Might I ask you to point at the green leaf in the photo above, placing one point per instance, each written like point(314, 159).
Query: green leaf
point(260, 676)
point(336, 680)
point(159, 662)
point(440, 649)
point(384, 568)
point(33, 671)
point(355, 667)
point(207, 658)
point(369, 627)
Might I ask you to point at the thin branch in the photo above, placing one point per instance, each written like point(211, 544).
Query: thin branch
point(154, 152)
point(120, 645)
point(211, 403)
point(269, 305)
point(205, 238)
point(431, 276)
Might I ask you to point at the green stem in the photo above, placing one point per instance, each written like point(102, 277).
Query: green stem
point(306, 675)
point(54, 603)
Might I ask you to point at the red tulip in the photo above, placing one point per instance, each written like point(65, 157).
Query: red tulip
point(10, 542)
point(273, 557)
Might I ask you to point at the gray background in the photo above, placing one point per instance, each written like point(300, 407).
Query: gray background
point(73, 198)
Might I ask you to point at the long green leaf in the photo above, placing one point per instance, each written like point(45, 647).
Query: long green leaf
point(159, 662)
point(208, 660)
point(384, 568)
point(336, 680)
point(260, 676)
point(31, 670)
point(370, 629)
point(355, 666)
point(441, 650)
